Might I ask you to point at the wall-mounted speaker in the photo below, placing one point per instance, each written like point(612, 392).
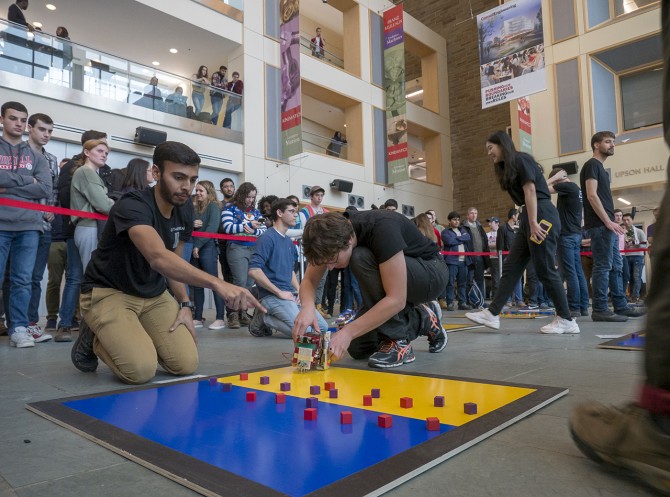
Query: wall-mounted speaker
point(305, 191)
point(342, 185)
point(569, 167)
point(148, 136)
point(357, 201)
point(633, 212)
point(408, 210)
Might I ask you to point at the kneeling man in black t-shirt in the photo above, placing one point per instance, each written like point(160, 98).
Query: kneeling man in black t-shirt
point(132, 321)
point(400, 274)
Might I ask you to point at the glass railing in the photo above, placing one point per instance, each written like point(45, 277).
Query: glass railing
point(324, 145)
point(60, 62)
point(307, 47)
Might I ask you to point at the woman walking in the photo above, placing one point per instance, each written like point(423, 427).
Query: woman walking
point(537, 239)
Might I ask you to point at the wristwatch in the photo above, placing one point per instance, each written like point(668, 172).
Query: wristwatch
point(187, 304)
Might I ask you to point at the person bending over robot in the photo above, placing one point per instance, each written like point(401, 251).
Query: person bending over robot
point(400, 273)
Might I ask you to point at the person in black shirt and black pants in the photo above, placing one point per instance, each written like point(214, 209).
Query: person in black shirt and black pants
point(522, 178)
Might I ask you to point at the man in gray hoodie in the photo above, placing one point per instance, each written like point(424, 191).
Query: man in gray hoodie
point(24, 176)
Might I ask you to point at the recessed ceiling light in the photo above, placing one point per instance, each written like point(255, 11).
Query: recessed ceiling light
point(345, 125)
point(51, 6)
point(37, 24)
point(173, 50)
point(156, 63)
point(420, 158)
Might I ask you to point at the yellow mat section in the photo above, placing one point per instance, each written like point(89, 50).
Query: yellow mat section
point(352, 384)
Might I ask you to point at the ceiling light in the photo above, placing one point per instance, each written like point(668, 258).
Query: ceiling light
point(623, 201)
point(37, 24)
point(345, 125)
point(156, 63)
point(51, 6)
point(173, 50)
point(414, 94)
point(420, 158)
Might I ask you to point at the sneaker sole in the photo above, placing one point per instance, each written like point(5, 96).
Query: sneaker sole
point(651, 475)
point(43, 338)
point(443, 346)
point(22, 346)
point(215, 327)
point(488, 324)
point(62, 339)
point(394, 365)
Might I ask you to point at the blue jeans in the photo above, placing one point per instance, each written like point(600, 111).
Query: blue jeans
point(208, 261)
point(570, 263)
point(282, 313)
point(635, 265)
point(227, 119)
point(73, 275)
point(198, 102)
point(21, 248)
point(38, 273)
point(607, 267)
point(217, 103)
point(458, 275)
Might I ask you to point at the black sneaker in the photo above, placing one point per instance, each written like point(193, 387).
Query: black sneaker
point(464, 307)
point(82, 355)
point(257, 326)
point(631, 312)
point(391, 354)
point(608, 316)
point(437, 336)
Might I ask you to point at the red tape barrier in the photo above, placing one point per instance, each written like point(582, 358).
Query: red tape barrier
point(20, 204)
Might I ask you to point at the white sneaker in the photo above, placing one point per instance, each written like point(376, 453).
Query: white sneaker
point(219, 324)
point(21, 339)
point(38, 335)
point(560, 326)
point(197, 323)
point(484, 317)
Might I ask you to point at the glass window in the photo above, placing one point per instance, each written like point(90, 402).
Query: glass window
point(272, 115)
point(627, 6)
point(641, 97)
point(377, 48)
point(272, 18)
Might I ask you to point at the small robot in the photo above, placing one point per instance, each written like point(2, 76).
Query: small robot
point(311, 351)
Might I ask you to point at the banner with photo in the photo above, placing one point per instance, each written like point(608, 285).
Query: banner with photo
point(396, 105)
point(511, 52)
point(291, 110)
point(525, 130)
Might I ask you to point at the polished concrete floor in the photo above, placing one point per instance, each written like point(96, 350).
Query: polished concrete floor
point(534, 457)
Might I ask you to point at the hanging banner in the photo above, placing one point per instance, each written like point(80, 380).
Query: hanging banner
point(396, 105)
point(511, 52)
point(525, 132)
point(291, 113)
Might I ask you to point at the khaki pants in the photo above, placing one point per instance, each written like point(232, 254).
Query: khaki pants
point(132, 334)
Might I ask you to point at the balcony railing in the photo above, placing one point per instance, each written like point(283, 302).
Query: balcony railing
point(324, 145)
point(307, 47)
point(60, 62)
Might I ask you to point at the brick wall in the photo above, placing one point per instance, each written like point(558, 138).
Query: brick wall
point(474, 183)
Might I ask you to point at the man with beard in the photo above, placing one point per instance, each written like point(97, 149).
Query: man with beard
point(131, 320)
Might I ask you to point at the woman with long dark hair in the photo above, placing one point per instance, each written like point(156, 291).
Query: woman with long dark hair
point(205, 253)
point(241, 217)
point(139, 174)
point(201, 80)
point(520, 176)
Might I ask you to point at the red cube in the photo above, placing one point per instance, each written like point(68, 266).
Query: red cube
point(280, 398)
point(244, 376)
point(406, 402)
point(432, 424)
point(310, 414)
point(251, 396)
point(329, 385)
point(384, 421)
point(346, 418)
point(367, 400)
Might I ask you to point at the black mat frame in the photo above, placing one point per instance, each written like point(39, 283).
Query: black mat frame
point(212, 481)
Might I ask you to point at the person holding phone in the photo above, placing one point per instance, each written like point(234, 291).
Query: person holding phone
point(521, 176)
